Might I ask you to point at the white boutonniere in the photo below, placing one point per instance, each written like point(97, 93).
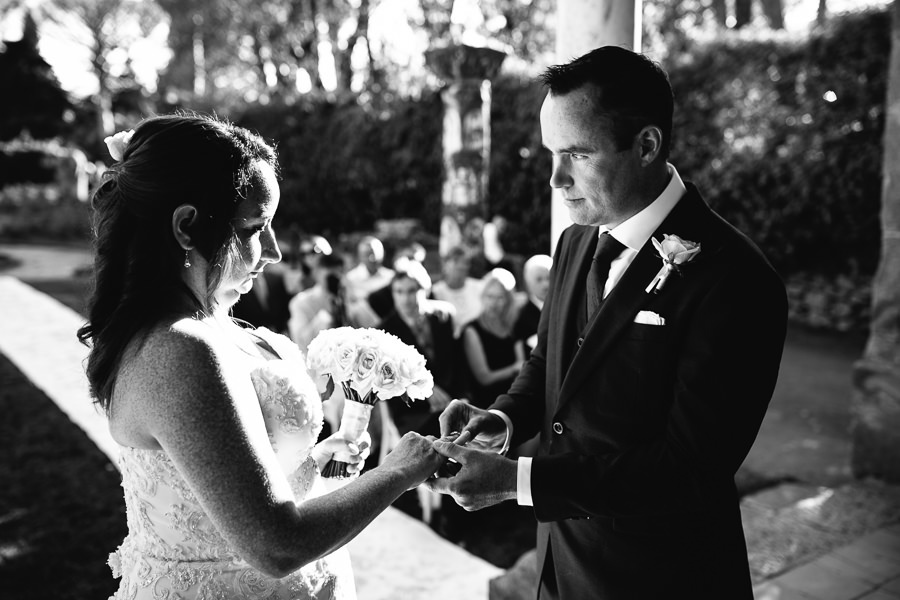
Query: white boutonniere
point(674, 252)
point(116, 144)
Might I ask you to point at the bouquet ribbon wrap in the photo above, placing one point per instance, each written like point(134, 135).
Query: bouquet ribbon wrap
point(354, 422)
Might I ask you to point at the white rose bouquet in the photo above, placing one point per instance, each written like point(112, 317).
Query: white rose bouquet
point(370, 365)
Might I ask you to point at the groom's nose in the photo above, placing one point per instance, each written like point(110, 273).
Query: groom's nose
point(560, 177)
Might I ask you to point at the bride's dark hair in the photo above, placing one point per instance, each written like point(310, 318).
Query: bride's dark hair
point(170, 160)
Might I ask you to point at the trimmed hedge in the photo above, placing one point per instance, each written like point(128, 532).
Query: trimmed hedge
point(345, 165)
point(784, 139)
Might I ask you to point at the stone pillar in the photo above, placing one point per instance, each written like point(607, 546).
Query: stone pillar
point(876, 376)
point(581, 26)
point(467, 72)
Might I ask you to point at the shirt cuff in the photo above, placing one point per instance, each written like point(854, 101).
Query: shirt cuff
point(523, 481)
point(509, 430)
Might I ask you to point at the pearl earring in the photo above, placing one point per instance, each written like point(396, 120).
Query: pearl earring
point(187, 259)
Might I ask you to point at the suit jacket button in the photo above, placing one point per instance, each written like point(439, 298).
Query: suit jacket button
point(580, 341)
point(557, 428)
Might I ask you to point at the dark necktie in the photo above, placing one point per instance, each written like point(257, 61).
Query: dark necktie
point(608, 248)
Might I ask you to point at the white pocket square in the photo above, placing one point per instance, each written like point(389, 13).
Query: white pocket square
point(647, 317)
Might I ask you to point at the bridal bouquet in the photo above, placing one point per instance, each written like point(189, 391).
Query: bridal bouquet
point(370, 365)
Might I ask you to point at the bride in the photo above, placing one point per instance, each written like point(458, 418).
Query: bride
point(217, 424)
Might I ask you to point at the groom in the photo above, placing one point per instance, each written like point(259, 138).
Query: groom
point(651, 375)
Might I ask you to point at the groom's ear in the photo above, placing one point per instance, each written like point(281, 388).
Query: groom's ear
point(182, 219)
point(649, 143)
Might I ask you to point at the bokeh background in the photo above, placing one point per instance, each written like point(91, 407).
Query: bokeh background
point(780, 115)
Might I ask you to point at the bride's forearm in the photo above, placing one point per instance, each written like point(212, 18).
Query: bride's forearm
point(326, 523)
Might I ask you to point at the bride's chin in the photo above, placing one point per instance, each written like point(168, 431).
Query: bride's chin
point(228, 298)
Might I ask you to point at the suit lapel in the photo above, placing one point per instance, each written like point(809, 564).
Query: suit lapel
point(688, 219)
point(572, 291)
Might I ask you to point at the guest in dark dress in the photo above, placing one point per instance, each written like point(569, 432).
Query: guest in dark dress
point(493, 354)
point(537, 283)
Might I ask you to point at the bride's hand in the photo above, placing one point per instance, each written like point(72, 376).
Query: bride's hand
point(359, 451)
point(414, 456)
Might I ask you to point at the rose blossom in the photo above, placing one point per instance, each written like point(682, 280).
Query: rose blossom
point(676, 250)
point(388, 383)
point(364, 370)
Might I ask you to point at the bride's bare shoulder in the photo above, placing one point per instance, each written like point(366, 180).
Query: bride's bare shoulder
point(172, 368)
point(175, 358)
point(171, 343)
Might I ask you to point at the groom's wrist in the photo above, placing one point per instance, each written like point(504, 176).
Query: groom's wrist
point(523, 481)
point(509, 430)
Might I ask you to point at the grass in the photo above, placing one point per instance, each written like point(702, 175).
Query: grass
point(61, 505)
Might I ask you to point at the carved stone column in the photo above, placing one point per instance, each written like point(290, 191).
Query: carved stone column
point(876, 377)
point(467, 72)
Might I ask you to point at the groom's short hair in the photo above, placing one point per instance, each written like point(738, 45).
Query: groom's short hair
point(632, 91)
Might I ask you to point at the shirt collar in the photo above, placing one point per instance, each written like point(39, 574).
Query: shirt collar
point(637, 229)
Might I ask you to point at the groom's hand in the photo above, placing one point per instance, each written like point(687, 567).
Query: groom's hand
point(484, 478)
point(486, 429)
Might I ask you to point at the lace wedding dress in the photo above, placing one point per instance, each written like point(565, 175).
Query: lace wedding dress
point(173, 551)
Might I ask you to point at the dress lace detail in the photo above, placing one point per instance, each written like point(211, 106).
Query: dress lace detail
point(174, 552)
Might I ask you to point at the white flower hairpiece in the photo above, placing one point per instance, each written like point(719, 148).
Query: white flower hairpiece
point(116, 144)
point(674, 252)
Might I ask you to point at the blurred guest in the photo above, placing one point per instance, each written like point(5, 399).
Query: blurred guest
point(310, 247)
point(321, 306)
point(536, 274)
point(473, 242)
point(457, 288)
point(494, 356)
point(382, 300)
point(432, 335)
point(266, 304)
point(363, 279)
point(493, 247)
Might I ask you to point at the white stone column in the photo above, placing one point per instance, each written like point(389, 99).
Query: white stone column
point(876, 376)
point(581, 26)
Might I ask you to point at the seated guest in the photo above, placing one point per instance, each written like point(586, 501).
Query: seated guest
point(321, 306)
point(494, 356)
point(363, 279)
point(382, 300)
point(537, 283)
point(432, 335)
point(309, 248)
point(457, 288)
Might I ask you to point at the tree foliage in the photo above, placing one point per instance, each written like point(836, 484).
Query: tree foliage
point(345, 166)
point(784, 138)
point(33, 100)
point(105, 27)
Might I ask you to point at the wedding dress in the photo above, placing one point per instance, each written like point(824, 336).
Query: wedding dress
point(173, 551)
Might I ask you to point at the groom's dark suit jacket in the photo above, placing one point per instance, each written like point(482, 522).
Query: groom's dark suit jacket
point(642, 427)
